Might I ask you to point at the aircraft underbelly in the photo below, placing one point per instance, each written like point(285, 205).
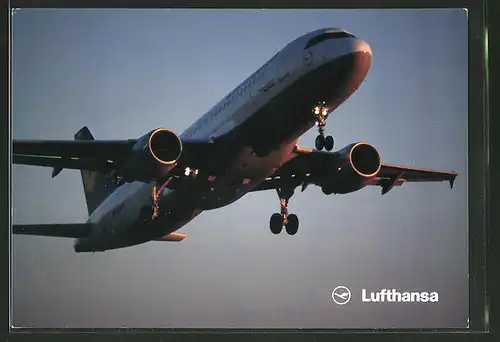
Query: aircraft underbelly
point(179, 207)
point(241, 176)
point(276, 126)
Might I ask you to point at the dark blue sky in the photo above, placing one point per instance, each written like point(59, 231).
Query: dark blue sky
point(125, 72)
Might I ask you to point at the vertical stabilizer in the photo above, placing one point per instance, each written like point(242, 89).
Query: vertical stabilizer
point(95, 184)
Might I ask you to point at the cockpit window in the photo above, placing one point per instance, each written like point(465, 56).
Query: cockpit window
point(324, 36)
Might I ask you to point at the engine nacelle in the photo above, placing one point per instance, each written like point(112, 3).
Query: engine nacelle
point(356, 164)
point(153, 156)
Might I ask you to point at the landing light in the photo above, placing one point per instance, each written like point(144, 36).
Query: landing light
point(325, 111)
point(188, 171)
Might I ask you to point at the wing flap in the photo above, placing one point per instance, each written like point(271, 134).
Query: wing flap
point(103, 156)
point(394, 175)
point(63, 163)
point(95, 149)
point(68, 230)
point(410, 174)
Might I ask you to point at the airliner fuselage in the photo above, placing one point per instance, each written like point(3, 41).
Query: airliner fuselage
point(260, 122)
point(139, 190)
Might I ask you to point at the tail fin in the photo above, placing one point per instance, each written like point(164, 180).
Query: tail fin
point(95, 184)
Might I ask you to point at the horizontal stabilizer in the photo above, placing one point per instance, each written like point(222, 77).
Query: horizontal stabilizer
point(173, 237)
point(70, 230)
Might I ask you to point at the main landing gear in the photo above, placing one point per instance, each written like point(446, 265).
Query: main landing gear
point(321, 113)
point(283, 219)
point(155, 194)
point(147, 213)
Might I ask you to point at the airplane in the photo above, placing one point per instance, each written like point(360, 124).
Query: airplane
point(145, 189)
point(344, 295)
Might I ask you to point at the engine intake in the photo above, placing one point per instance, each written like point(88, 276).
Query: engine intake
point(153, 156)
point(354, 166)
point(165, 146)
point(364, 159)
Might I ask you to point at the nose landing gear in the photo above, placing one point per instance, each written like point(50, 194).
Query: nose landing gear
point(321, 113)
point(283, 219)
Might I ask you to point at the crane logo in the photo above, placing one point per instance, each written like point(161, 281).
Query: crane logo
point(341, 295)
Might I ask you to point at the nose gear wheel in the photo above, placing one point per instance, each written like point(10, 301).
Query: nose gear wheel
point(320, 113)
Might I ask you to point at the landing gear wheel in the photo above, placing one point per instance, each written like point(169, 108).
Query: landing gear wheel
point(276, 223)
point(278, 220)
point(328, 143)
point(292, 224)
point(320, 142)
point(321, 113)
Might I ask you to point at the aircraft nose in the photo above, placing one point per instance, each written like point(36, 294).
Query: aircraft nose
point(362, 46)
point(359, 60)
point(362, 55)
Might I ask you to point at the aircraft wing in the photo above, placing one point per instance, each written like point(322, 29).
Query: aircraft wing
point(69, 230)
point(94, 155)
point(307, 167)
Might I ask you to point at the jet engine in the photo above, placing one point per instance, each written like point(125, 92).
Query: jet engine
point(355, 165)
point(153, 156)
